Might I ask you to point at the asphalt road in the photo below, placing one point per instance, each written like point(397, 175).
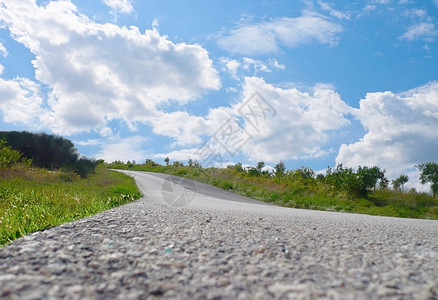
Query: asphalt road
point(190, 241)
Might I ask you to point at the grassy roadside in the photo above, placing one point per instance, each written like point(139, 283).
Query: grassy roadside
point(36, 199)
point(307, 193)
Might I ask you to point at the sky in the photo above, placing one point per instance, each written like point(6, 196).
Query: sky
point(311, 83)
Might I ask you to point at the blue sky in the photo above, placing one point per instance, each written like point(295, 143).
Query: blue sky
point(308, 82)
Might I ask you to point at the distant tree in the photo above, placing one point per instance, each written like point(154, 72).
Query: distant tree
point(370, 176)
point(48, 151)
point(280, 169)
point(429, 173)
point(150, 162)
point(400, 181)
point(238, 167)
point(384, 183)
point(260, 166)
point(197, 164)
point(306, 172)
point(84, 166)
point(167, 160)
point(177, 164)
point(190, 162)
point(320, 177)
point(253, 172)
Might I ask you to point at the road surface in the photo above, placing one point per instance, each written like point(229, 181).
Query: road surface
point(221, 246)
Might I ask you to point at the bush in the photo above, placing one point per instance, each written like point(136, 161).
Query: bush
point(8, 156)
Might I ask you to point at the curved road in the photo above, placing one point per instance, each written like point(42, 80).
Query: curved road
point(221, 246)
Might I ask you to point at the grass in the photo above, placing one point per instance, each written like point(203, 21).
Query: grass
point(304, 193)
point(36, 199)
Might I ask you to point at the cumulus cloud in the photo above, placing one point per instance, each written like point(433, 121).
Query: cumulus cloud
point(401, 130)
point(301, 124)
point(20, 101)
point(268, 123)
point(101, 72)
point(269, 37)
point(119, 6)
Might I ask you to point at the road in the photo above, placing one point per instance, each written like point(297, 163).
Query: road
point(221, 246)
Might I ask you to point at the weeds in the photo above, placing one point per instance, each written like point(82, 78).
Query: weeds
point(41, 199)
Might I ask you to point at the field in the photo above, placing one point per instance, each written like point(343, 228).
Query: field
point(35, 199)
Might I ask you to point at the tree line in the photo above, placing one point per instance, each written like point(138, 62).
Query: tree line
point(356, 182)
point(46, 151)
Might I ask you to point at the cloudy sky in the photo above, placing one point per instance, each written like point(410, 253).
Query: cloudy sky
point(312, 83)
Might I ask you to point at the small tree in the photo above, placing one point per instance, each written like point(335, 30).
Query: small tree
point(369, 177)
point(238, 167)
point(429, 173)
point(190, 162)
point(306, 172)
point(260, 166)
point(384, 183)
point(197, 164)
point(167, 160)
point(280, 168)
point(8, 156)
point(400, 181)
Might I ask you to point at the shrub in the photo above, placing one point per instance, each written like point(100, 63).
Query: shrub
point(8, 156)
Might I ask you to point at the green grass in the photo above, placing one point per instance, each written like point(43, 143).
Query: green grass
point(36, 199)
point(301, 193)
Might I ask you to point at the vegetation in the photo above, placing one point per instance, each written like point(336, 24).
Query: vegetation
point(429, 173)
point(34, 199)
point(48, 151)
point(364, 190)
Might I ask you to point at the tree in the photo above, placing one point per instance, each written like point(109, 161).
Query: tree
point(400, 181)
point(280, 168)
point(384, 183)
point(306, 172)
point(197, 164)
point(190, 162)
point(177, 164)
point(429, 173)
point(167, 160)
point(370, 177)
point(238, 167)
point(260, 166)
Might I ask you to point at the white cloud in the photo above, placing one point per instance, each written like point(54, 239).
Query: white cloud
point(269, 37)
point(274, 63)
point(120, 6)
point(425, 31)
point(299, 128)
point(3, 50)
point(301, 125)
point(124, 149)
point(402, 130)
point(249, 66)
point(101, 72)
point(20, 101)
point(333, 12)
point(89, 142)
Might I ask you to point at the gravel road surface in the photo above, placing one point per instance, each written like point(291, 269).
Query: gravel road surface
point(222, 246)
